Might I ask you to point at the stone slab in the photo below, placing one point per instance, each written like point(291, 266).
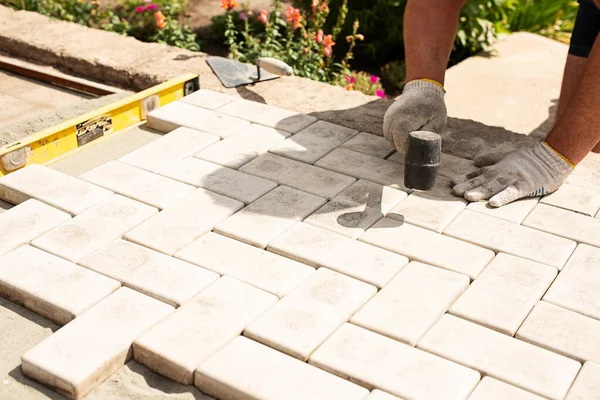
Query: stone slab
point(574, 198)
point(137, 184)
point(267, 271)
point(369, 144)
point(314, 142)
point(50, 286)
point(408, 306)
point(303, 319)
point(25, 222)
point(222, 180)
point(54, 188)
point(169, 149)
point(184, 221)
point(208, 99)
point(244, 109)
point(514, 212)
point(198, 329)
point(271, 215)
point(587, 173)
point(504, 293)
point(379, 395)
point(85, 352)
point(152, 273)
point(503, 236)
point(308, 178)
point(356, 208)
point(493, 389)
point(502, 357)
point(321, 248)
point(285, 120)
point(241, 148)
point(587, 384)
point(428, 247)
point(568, 224)
point(450, 166)
point(246, 370)
point(94, 228)
point(375, 361)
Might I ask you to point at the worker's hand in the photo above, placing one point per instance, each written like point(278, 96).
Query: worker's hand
point(529, 172)
point(421, 107)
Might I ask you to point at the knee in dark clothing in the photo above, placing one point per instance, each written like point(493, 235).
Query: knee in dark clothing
point(587, 28)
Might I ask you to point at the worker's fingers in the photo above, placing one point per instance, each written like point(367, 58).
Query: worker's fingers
point(490, 158)
point(464, 178)
point(462, 188)
point(403, 129)
point(487, 190)
point(506, 196)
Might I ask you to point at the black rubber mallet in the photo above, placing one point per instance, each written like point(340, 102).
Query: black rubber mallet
point(422, 160)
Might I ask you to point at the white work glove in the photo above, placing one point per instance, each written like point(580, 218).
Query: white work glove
point(529, 172)
point(421, 107)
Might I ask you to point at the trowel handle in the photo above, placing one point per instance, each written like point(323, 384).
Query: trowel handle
point(275, 66)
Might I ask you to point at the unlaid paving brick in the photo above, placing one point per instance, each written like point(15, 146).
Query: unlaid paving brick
point(562, 331)
point(271, 215)
point(169, 149)
point(412, 302)
point(178, 114)
point(245, 109)
point(504, 236)
point(94, 228)
point(574, 198)
point(25, 222)
point(493, 389)
point(428, 247)
point(54, 188)
point(50, 286)
point(450, 166)
point(432, 210)
point(321, 248)
point(514, 212)
point(587, 384)
point(244, 146)
point(150, 272)
point(299, 175)
point(265, 270)
point(200, 327)
point(375, 361)
point(208, 99)
point(285, 120)
point(184, 221)
point(356, 208)
point(379, 395)
point(504, 293)
point(500, 356)
point(138, 184)
point(245, 369)
point(582, 228)
point(314, 142)
point(222, 180)
point(302, 320)
point(372, 145)
point(92, 347)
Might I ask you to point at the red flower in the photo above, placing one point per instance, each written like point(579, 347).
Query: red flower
point(319, 36)
point(229, 4)
point(151, 7)
point(139, 9)
point(328, 43)
point(293, 16)
point(264, 16)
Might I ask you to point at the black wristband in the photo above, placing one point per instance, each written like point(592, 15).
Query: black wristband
point(587, 28)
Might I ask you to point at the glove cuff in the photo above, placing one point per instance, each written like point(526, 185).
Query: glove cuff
point(425, 85)
point(553, 159)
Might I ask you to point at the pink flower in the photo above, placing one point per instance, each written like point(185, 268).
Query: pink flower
point(139, 9)
point(293, 16)
point(374, 79)
point(264, 16)
point(381, 93)
point(319, 36)
point(349, 79)
point(147, 1)
point(243, 16)
point(151, 7)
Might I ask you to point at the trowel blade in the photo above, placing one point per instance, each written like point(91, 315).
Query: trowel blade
point(234, 73)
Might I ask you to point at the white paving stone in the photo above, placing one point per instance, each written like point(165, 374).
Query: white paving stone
point(408, 306)
point(379, 395)
point(321, 248)
point(94, 228)
point(578, 227)
point(179, 114)
point(184, 221)
point(147, 271)
point(284, 120)
point(375, 361)
point(428, 247)
point(587, 384)
point(208, 99)
point(25, 222)
point(169, 149)
point(248, 370)
point(432, 210)
point(562, 331)
point(314, 142)
point(270, 216)
point(245, 109)
point(515, 212)
point(222, 180)
point(302, 320)
point(504, 293)
point(504, 236)
point(372, 145)
point(450, 166)
point(200, 327)
point(500, 356)
point(493, 389)
point(356, 208)
point(137, 184)
point(574, 198)
point(85, 352)
point(237, 150)
point(50, 286)
point(54, 188)
point(265, 270)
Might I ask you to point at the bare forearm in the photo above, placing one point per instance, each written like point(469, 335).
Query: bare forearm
point(577, 131)
point(429, 30)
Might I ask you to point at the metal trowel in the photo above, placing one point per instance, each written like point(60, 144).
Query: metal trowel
point(234, 73)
